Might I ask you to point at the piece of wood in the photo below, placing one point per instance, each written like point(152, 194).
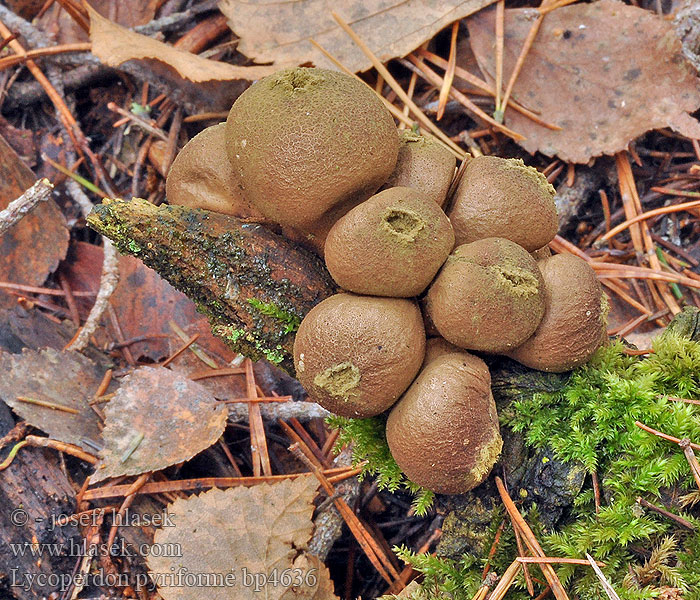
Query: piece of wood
point(254, 285)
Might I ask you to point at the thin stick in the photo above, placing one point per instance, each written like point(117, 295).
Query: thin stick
point(540, 560)
point(686, 446)
point(393, 84)
point(662, 511)
point(506, 581)
point(521, 552)
point(180, 350)
point(11, 61)
point(664, 436)
point(663, 210)
point(258, 440)
point(596, 491)
point(47, 404)
point(612, 594)
point(686, 400)
point(439, 135)
point(498, 115)
point(128, 501)
point(28, 201)
point(449, 73)
point(33, 440)
point(436, 80)
point(531, 541)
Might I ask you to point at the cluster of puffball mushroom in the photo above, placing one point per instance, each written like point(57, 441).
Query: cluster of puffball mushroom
point(317, 154)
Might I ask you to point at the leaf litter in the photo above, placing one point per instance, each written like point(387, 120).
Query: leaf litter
point(280, 32)
point(46, 378)
point(156, 419)
point(256, 536)
point(572, 76)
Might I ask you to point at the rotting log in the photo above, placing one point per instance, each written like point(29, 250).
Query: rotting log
point(254, 286)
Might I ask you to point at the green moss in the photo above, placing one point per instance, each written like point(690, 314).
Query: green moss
point(591, 421)
point(269, 309)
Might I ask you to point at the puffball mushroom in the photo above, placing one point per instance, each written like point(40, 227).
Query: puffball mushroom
point(307, 145)
point(201, 176)
point(488, 296)
point(443, 432)
point(575, 320)
point(390, 245)
point(423, 164)
point(355, 355)
point(503, 197)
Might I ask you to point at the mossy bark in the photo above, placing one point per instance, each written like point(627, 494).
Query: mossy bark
point(253, 285)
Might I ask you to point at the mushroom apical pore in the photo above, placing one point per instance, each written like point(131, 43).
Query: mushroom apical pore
point(201, 176)
point(443, 432)
point(423, 164)
point(306, 145)
point(503, 197)
point(390, 245)
point(355, 355)
point(489, 296)
point(575, 321)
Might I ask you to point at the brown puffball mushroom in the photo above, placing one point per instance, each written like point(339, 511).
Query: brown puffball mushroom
point(390, 245)
point(575, 320)
point(488, 296)
point(436, 347)
point(423, 164)
point(503, 197)
point(307, 145)
point(541, 253)
point(443, 433)
point(355, 355)
point(201, 177)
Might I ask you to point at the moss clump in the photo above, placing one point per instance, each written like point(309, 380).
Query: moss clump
point(590, 421)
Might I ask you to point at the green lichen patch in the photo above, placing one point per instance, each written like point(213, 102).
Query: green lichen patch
point(290, 321)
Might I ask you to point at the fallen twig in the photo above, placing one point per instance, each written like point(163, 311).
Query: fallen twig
point(18, 208)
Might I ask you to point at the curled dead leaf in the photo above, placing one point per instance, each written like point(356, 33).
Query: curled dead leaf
point(114, 45)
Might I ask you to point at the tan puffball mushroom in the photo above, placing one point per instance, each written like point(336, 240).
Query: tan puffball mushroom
point(201, 176)
point(436, 347)
point(541, 253)
point(423, 164)
point(390, 245)
point(575, 320)
point(444, 433)
point(489, 296)
point(355, 355)
point(309, 144)
point(503, 197)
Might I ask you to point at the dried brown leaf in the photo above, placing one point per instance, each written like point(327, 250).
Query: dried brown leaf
point(144, 304)
point(604, 72)
point(255, 535)
point(44, 230)
point(280, 31)
point(67, 379)
point(114, 45)
point(157, 418)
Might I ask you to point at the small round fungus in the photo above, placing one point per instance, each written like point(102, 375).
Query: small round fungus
point(391, 245)
point(423, 164)
point(503, 197)
point(355, 355)
point(488, 296)
point(575, 320)
point(306, 145)
point(201, 177)
point(444, 433)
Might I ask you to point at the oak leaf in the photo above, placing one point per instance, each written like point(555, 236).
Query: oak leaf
point(604, 72)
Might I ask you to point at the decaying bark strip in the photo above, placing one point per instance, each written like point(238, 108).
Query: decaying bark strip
point(255, 286)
